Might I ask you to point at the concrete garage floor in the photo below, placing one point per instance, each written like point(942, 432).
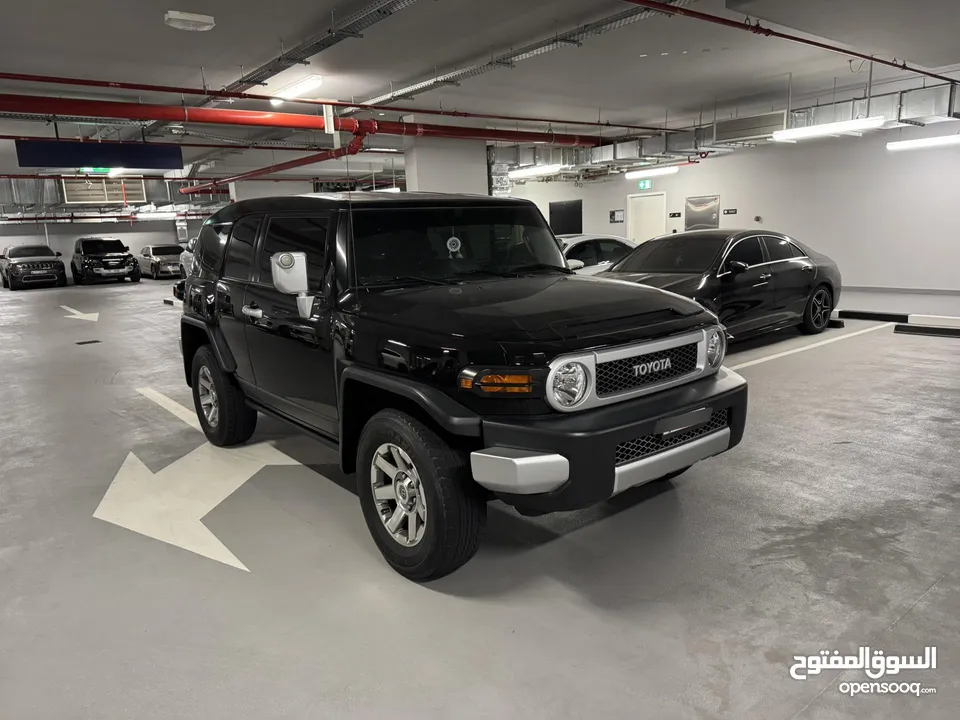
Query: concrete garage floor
point(833, 525)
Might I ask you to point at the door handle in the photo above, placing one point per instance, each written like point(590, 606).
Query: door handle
point(766, 276)
point(808, 268)
point(252, 311)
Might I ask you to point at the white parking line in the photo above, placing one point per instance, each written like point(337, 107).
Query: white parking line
point(808, 347)
point(172, 406)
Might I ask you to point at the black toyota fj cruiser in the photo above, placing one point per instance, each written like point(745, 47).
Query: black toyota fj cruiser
point(441, 344)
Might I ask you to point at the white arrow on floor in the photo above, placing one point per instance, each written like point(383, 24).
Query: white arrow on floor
point(77, 315)
point(170, 505)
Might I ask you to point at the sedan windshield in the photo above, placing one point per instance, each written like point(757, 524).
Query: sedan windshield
point(681, 254)
point(407, 245)
point(25, 251)
point(167, 250)
point(102, 246)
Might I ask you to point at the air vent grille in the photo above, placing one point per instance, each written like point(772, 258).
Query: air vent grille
point(104, 191)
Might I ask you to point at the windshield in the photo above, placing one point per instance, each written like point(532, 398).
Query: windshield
point(429, 244)
point(102, 246)
point(167, 250)
point(681, 254)
point(25, 251)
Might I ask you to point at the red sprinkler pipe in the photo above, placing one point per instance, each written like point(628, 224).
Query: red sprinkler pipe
point(352, 148)
point(221, 146)
point(37, 105)
point(142, 87)
point(758, 29)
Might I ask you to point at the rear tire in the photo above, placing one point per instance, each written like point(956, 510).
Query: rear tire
point(183, 273)
point(816, 315)
point(62, 281)
point(454, 508)
point(232, 421)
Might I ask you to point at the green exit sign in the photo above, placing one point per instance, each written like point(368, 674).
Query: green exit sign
point(645, 184)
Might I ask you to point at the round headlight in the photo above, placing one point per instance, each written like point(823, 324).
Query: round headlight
point(569, 384)
point(716, 347)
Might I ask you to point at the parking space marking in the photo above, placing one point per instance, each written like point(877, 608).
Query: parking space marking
point(77, 315)
point(809, 347)
point(172, 406)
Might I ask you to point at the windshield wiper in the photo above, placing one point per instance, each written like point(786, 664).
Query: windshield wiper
point(485, 271)
point(540, 266)
point(407, 278)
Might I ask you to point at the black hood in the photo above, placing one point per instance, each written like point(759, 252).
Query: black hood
point(685, 284)
point(539, 308)
point(108, 256)
point(35, 258)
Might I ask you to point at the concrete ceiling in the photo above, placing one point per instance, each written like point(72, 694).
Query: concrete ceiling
point(645, 73)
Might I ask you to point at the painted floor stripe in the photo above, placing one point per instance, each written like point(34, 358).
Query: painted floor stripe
point(808, 347)
point(173, 407)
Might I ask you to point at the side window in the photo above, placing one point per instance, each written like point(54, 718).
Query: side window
point(779, 248)
point(238, 262)
point(297, 234)
point(210, 245)
point(586, 252)
point(78, 248)
point(747, 251)
point(796, 250)
point(611, 250)
point(145, 252)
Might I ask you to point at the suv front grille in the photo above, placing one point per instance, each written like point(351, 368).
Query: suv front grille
point(647, 445)
point(38, 266)
point(618, 376)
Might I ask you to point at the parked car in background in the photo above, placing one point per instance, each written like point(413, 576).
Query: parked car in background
point(159, 261)
point(596, 252)
point(443, 347)
point(96, 259)
point(186, 257)
point(23, 265)
point(754, 281)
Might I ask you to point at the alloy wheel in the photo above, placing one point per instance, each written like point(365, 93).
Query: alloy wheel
point(398, 494)
point(820, 309)
point(209, 402)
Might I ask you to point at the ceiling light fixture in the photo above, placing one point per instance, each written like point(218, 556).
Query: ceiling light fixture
point(535, 171)
point(652, 172)
point(921, 143)
point(191, 22)
point(389, 190)
point(115, 172)
point(300, 88)
point(834, 128)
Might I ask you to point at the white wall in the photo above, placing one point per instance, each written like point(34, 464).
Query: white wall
point(63, 236)
point(888, 219)
point(266, 188)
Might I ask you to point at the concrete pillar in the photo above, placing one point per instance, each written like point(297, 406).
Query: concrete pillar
point(440, 165)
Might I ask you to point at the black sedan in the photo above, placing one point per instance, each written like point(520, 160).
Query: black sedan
point(756, 282)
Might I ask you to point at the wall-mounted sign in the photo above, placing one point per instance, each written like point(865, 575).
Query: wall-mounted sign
point(702, 213)
point(645, 184)
point(676, 215)
point(730, 211)
point(616, 216)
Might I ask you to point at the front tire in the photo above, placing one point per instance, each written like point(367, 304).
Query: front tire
point(3, 278)
point(62, 280)
point(224, 416)
point(135, 276)
point(816, 315)
point(418, 498)
point(15, 284)
point(77, 276)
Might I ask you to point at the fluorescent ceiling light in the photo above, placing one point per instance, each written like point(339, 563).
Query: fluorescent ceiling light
point(188, 21)
point(535, 171)
point(389, 190)
point(301, 87)
point(652, 172)
point(921, 143)
point(835, 128)
point(115, 172)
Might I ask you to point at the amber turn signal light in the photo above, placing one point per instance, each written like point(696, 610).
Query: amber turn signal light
point(506, 384)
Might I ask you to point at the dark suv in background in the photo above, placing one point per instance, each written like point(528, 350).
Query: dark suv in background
point(23, 265)
point(443, 347)
point(96, 259)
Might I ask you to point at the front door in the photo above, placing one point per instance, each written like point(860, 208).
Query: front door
point(232, 287)
point(292, 356)
point(746, 298)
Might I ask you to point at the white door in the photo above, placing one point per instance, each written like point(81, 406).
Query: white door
point(646, 216)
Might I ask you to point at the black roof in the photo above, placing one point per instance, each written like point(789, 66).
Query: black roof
point(716, 233)
point(338, 201)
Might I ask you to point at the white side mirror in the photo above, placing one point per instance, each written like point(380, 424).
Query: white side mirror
point(289, 271)
point(574, 264)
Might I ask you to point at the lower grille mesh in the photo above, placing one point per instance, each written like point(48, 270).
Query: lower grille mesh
point(647, 445)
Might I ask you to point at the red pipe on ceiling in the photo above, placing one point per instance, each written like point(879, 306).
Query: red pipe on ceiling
point(758, 29)
point(352, 148)
point(47, 106)
point(81, 82)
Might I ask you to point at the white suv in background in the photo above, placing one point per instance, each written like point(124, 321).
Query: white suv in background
point(596, 252)
point(186, 257)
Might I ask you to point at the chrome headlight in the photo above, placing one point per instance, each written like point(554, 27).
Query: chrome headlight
point(570, 384)
point(716, 347)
